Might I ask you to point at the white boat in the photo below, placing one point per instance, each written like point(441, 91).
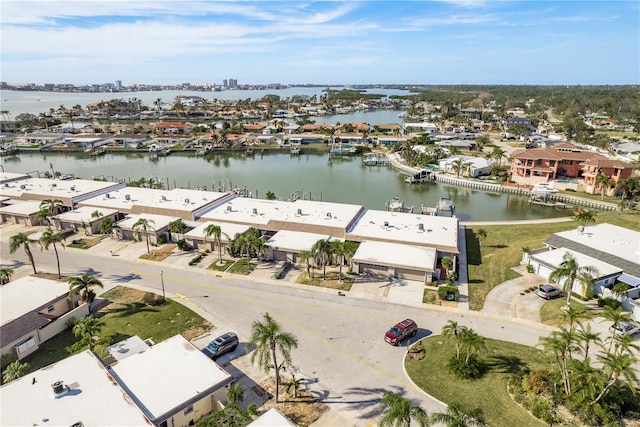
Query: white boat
point(371, 160)
point(543, 189)
point(445, 204)
point(395, 204)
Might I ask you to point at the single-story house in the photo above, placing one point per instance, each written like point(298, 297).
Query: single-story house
point(196, 237)
point(21, 213)
point(158, 226)
point(286, 245)
point(394, 260)
point(84, 217)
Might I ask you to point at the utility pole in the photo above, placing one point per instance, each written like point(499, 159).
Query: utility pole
point(162, 282)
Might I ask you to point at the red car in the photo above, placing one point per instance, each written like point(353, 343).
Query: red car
point(402, 330)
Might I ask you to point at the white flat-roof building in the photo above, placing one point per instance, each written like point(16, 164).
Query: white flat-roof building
point(70, 192)
point(395, 260)
point(183, 203)
point(83, 218)
point(438, 232)
point(34, 310)
point(317, 217)
point(286, 245)
point(6, 177)
point(228, 231)
point(21, 213)
point(157, 227)
point(92, 397)
point(247, 211)
point(173, 382)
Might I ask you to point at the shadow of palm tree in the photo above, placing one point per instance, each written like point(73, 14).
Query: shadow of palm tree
point(369, 405)
point(498, 246)
point(90, 271)
point(128, 278)
point(127, 309)
point(506, 364)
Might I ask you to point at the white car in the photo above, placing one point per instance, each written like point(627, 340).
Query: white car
point(624, 328)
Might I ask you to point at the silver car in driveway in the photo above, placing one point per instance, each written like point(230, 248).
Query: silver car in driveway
point(547, 292)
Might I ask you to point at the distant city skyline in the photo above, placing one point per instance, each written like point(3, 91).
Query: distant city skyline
point(363, 42)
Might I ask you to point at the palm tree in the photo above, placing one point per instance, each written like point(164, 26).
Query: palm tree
point(321, 251)
point(235, 394)
point(458, 416)
point(144, 224)
point(51, 206)
point(338, 250)
point(305, 256)
point(23, 240)
point(471, 342)
point(626, 344)
point(456, 166)
point(585, 217)
point(573, 314)
point(216, 232)
point(400, 411)
point(106, 226)
point(605, 182)
point(616, 366)
point(447, 263)
point(86, 328)
point(5, 275)
point(177, 226)
point(482, 234)
point(586, 336)
point(569, 271)
point(14, 371)
point(584, 376)
point(615, 315)
point(270, 195)
point(294, 384)
point(82, 286)
point(50, 238)
point(452, 328)
point(269, 339)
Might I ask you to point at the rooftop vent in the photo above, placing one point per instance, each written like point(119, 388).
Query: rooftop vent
point(186, 200)
point(255, 211)
point(299, 211)
point(22, 187)
point(127, 197)
point(163, 198)
point(108, 196)
point(59, 389)
point(421, 227)
point(581, 229)
point(54, 185)
point(328, 214)
point(229, 208)
point(386, 223)
point(73, 188)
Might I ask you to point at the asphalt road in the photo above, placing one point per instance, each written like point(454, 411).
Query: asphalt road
point(341, 347)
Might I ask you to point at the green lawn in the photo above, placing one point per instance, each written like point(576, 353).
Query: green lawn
point(488, 393)
point(331, 280)
point(242, 266)
point(126, 316)
point(490, 264)
point(220, 267)
point(551, 314)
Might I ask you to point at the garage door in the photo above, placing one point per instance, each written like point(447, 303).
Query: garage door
point(378, 270)
point(544, 271)
point(279, 256)
point(408, 274)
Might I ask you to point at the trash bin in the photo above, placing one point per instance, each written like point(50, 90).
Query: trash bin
point(451, 296)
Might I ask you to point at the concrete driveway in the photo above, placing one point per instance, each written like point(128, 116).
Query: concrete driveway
point(505, 299)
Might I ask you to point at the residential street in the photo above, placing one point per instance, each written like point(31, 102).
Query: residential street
point(341, 348)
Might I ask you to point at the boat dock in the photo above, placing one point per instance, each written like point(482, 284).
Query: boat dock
point(375, 160)
point(422, 176)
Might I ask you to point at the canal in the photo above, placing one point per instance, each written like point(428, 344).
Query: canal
point(318, 177)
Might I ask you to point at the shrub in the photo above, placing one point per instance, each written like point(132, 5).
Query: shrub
point(282, 271)
point(538, 381)
point(252, 409)
point(162, 239)
point(609, 302)
point(445, 291)
point(183, 245)
point(530, 268)
point(196, 259)
point(472, 368)
point(152, 299)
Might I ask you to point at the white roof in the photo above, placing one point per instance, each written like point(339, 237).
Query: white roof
point(168, 375)
point(76, 189)
point(272, 418)
point(325, 214)
point(11, 176)
point(27, 293)
point(83, 214)
point(93, 399)
point(554, 258)
point(394, 254)
point(257, 212)
point(29, 207)
point(125, 348)
point(618, 241)
point(439, 231)
point(156, 222)
point(295, 240)
point(226, 228)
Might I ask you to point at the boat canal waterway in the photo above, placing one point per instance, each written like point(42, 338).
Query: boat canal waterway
point(315, 176)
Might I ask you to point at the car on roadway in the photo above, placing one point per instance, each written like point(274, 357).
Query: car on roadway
point(221, 345)
point(624, 328)
point(547, 292)
point(400, 331)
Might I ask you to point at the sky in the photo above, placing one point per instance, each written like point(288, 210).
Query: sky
point(332, 42)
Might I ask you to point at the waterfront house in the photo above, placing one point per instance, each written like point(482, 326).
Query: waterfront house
point(614, 169)
point(33, 311)
point(253, 128)
point(350, 138)
point(175, 128)
point(471, 166)
point(423, 127)
point(313, 127)
point(394, 260)
point(389, 128)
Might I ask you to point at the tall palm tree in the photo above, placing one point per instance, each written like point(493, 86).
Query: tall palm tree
point(605, 182)
point(107, 225)
point(400, 411)
point(270, 339)
point(626, 344)
point(586, 336)
point(23, 240)
point(144, 225)
point(83, 286)
point(569, 271)
point(585, 377)
point(305, 256)
point(177, 226)
point(574, 315)
point(616, 366)
point(235, 394)
point(338, 250)
point(471, 342)
point(452, 328)
point(457, 415)
point(50, 238)
point(615, 315)
point(457, 166)
point(5, 275)
point(52, 206)
point(321, 251)
point(585, 217)
point(216, 232)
